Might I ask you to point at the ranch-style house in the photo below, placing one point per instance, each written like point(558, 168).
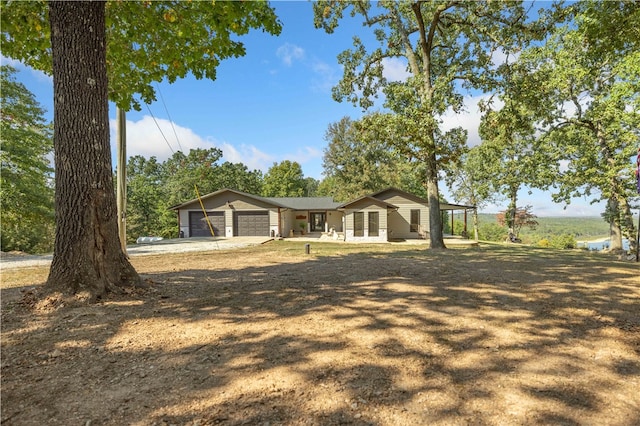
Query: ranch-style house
point(379, 217)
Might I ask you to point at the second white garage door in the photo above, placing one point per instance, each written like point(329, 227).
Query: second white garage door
point(251, 224)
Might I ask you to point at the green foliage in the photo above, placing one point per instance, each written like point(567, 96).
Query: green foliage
point(446, 46)
point(471, 185)
point(548, 230)
point(583, 85)
point(508, 154)
point(458, 228)
point(25, 182)
point(144, 196)
point(492, 232)
point(327, 187)
point(469, 180)
point(284, 180)
point(185, 172)
point(544, 243)
point(356, 166)
point(147, 41)
point(237, 176)
point(311, 187)
point(446, 222)
point(581, 227)
point(564, 241)
point(521, 217)
point(153, 187)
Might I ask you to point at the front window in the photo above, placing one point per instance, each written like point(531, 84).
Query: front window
point(317, 221)
point(358, 224)
point(415, 221)
point(373, 224)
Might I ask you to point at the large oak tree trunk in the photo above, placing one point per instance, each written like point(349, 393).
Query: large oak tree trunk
point(436, 238)
point(510, 214)
point(615, 231)
point(87, 257)
point(626, 222)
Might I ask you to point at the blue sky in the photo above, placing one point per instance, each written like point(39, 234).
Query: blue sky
point(273, 104)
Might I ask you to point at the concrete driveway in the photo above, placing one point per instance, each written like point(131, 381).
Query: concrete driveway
point(177, 245)
point(182, 245)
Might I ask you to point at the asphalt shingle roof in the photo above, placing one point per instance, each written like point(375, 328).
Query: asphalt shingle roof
point(305, 203)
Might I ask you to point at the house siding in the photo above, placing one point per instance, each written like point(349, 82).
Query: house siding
point(393, 208)
point(400, 220)
point(334, 220)
point(228, 203)
point(365, 207)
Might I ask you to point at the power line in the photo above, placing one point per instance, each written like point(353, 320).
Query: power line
point(158, 126)
point(170, 120)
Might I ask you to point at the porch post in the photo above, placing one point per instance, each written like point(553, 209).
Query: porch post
point(452, 216)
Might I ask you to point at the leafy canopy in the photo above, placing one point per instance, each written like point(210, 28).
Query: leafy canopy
point(284, 180)
point(147, 41)
point(25, 188)
point(584, 86)
point(153, 187)
point(357, 166)
point(448, 47)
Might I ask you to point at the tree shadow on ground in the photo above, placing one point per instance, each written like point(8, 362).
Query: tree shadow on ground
point(482, 336)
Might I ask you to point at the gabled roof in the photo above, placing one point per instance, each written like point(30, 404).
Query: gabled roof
point(443, 205)
point(323, 203)
point(369, 198)
point(406, 194)
point(294, 203)
point(221, 191)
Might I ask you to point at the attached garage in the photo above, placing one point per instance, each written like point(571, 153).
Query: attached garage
point(198, 225)
point(251, 224)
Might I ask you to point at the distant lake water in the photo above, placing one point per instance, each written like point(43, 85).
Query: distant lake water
point(602, 245)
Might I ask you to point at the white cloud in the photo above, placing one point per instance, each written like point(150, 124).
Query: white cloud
point(395, 69)
point(145, 138)
point(468, 119)
point(500, 57)
point(304, 155)
point(325, 76)
point(248, 155)
point(289, 52)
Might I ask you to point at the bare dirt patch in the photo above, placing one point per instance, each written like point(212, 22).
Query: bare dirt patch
point(380, 335)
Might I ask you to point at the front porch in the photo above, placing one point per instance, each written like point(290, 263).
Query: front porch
point(326, 237)
point(318, 236)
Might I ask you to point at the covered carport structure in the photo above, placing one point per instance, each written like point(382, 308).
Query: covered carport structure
point(446, 207)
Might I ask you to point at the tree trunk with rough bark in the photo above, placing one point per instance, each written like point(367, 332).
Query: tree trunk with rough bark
point(87, 258)
point(510, 215)
point(626, 220)
point(615, 232)
point(476, 226)
point(436, 238)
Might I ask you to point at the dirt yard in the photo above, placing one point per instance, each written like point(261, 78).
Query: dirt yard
point(350, 334)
